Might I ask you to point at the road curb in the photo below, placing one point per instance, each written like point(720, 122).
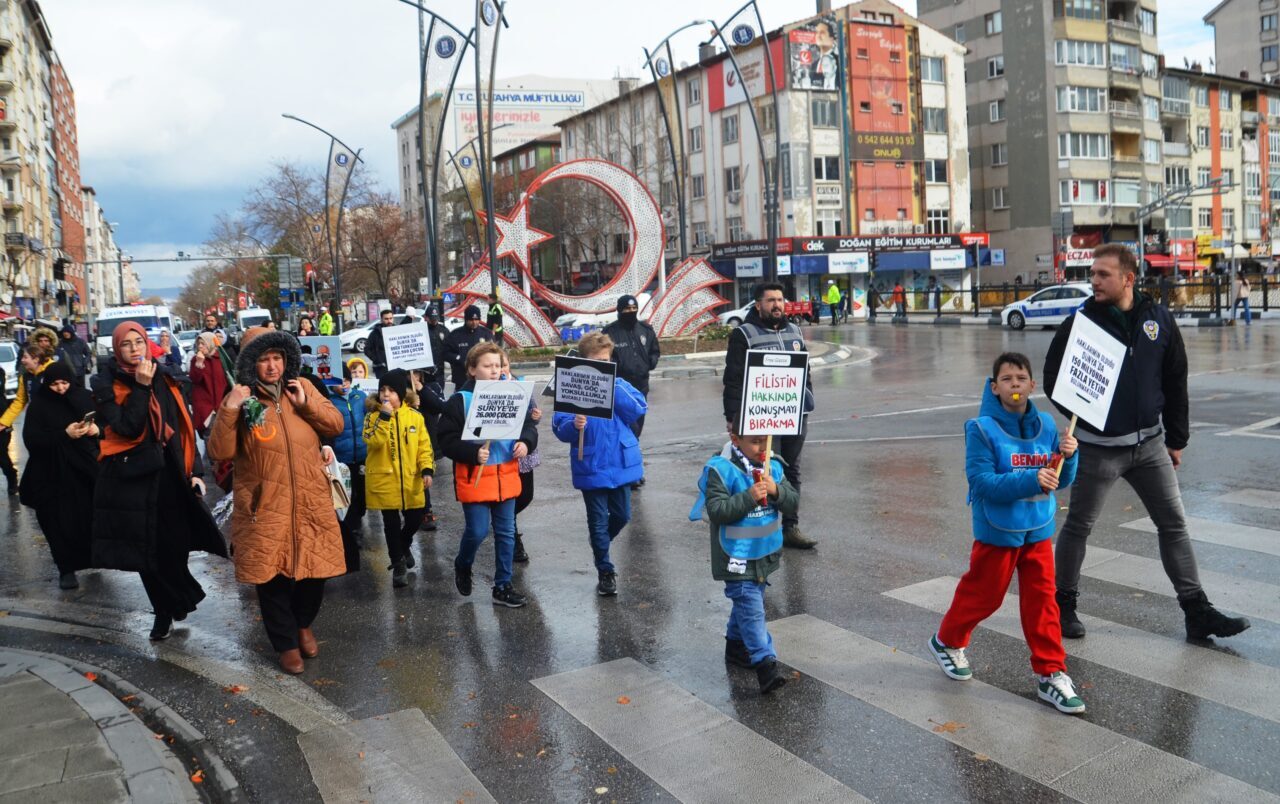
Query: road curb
point(220, 783)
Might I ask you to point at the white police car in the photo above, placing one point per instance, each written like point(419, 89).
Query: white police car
point(1047, 307)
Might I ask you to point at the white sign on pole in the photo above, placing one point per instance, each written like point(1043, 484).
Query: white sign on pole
point(497, 410)
point(584, 386)
point(1090, 367)
point(408, 346)
point(773, 389)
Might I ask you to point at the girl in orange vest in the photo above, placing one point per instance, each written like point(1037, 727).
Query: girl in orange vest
point(486, 479)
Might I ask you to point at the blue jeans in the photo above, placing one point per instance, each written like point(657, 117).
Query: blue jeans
point(478, 517)
point(746, 621)
point(608, 512)
point(1236, 306)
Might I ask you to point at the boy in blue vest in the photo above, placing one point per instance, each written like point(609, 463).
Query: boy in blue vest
point(745, 504)
point(1014, 460)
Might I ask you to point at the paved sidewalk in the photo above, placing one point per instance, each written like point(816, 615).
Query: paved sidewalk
point(65, 738)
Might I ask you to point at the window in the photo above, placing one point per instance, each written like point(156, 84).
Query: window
point(1204, 218)
point(1269, 22)
point(1080, 9)
point(1126, 193)
point(1177, 176)
point(667, 193)
point(1228, 176)
point(1082, 191)
point(938, 221)
point(994, 23)
point(895, 56)
point(998, 200)
point(637, 113)
point(1177, 95)
point(1227, 139)
point(1229, 220)
point(1083, 146)
point(695, 140)
point(1151, 151)
point(864, 106)
point(1147, 21)
point(935, 171)
point(701, 236)
point(736, 232)
point(611, 122)
point(1125, 58)
point(1082, 99)
point(729, 129)
point(826, 168)
point(568, 138)
point(1150, 107)
point(827, 223)
point(995, 66)
point(1202, 136)
point(999, 154)
point(589, 129)
point(931, 69)
point(1084, 54)
point(766, 117)
point(732, 180)
point(1224, 100)
point(897, 107)
point(1252, 219)
point(825, 113)
point(699, 183)
point(1253, 183)
point(1204, 175)
point(1273, 107)
point(1150, 65)
point(637, 156)
point(1201, 94)
point(1270, 52)
point(693, 89)
point(996, 110)
point(863, 53)
point(935, 120)
point(959, 33)
point(1178, 221)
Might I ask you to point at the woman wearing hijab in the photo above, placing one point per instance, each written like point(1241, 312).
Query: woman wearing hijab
point(306, 328)
point(171, 355)
point(62, 465)
point(148, 514)
point(208, 382)
point(283, 526)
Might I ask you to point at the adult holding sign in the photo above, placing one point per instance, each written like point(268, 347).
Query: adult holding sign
point(766, 328)
point(1133, 424)
point(595, 414)
point(408, 346)
point(486, 428)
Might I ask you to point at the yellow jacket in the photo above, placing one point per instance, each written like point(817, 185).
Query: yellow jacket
point(399, 455)
point(21, 401)
point(833, 295)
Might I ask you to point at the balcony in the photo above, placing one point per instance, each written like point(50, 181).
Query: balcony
point(1249, 119)
point(1126, 76)
point(6, 83)
point(5, 42)
point(12, 201)
point(15, 241)
point(10, 162)
point(1125, 166)
point(1175, 107)
point(1124, 31)
point(1177, 149)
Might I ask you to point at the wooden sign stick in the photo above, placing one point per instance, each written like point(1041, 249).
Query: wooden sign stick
point(1071, 431)
point(480, 471)
point(768, 453)
point(581, 435)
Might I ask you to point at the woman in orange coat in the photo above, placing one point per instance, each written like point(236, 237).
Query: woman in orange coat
point(284, 532)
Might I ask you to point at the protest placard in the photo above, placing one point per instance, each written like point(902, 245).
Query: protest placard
point(408, 346)
point(584, 386)
point(773, 389)
point(322, 357)
point(1086, 381)
point(368, 385)
point(497, 410)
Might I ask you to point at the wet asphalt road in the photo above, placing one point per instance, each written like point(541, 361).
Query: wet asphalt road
point(884, 492)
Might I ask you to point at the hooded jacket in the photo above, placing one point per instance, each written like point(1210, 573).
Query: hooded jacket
point(283, 521)
point(1152, 388)
point(349, 445)
point(76, 353)
point(610, 450)
point(1003, 455)
point(26, 389)
point(635, 350)
point(400, 455)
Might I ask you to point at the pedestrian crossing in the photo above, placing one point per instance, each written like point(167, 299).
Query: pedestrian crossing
point(1228, 534)
point(1257, 498)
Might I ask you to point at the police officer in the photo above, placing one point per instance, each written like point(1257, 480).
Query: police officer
point(460, 341)
point(767, 327)
point(635, 350)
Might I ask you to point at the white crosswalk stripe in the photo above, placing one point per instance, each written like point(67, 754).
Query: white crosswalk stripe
point(1257, 498)
point(1229, 534)
point(1072, 756)
point(1208, 674)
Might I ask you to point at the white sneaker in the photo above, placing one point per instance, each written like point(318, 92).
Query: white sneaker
point(1058, 690)
point(952, 660)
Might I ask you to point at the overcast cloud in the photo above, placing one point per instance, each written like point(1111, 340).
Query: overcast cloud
point(179, 101)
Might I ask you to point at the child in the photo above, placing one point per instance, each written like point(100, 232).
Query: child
point(1009, 453)
point(430, 404)
point(349, 447)
point(745, 504)
point(359, 368)
point(610, 462)
point(486, 479)
point(527, 464)
point(398, 469)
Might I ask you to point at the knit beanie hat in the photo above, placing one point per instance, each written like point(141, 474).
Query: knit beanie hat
point(398, 381)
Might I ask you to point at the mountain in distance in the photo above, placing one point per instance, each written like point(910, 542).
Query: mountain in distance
point(170, 295)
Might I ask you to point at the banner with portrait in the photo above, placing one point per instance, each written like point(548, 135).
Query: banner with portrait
point(814, 54)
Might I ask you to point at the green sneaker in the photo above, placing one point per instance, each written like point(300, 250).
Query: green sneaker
point(953, 661)
point(1058, 690)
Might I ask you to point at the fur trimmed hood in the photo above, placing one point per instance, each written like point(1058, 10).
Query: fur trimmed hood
point(258, 340)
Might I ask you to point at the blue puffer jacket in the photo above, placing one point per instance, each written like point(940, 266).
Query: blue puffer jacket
point(1002, 461)
point(349, 445)
point(610, 451)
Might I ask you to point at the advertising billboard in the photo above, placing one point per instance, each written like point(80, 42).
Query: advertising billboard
point(814, 54)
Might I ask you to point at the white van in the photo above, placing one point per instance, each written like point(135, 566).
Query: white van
point(153, 319)
point(253, 317)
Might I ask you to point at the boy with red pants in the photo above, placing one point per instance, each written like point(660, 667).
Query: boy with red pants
point(1011, 451)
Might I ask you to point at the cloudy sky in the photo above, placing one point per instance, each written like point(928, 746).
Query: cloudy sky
point(179, 101)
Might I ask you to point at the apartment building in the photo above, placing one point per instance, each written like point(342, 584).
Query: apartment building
point(1246, 37)
point(103, 277)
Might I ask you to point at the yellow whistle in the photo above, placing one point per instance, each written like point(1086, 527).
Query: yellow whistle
point(1017, 397)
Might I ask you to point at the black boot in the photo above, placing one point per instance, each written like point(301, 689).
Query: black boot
point(520, 556)
point(1072, 628)
point(768, 676)
point(1204, 621)
point(735, 653)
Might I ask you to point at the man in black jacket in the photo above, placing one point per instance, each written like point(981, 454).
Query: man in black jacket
point(460, 341)
point(374, 347)
point(1147, 428)
point(76, 353)
point(635, 350)
point(766, 327)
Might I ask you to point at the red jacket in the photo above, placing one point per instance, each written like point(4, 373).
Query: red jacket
point(208, 387)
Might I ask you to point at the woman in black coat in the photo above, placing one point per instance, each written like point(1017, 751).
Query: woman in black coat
point(62, 465)
point(147, 512)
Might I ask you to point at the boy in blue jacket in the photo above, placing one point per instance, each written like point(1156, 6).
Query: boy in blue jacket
point(1014, 460)
point(610, 463)
point(349, 447)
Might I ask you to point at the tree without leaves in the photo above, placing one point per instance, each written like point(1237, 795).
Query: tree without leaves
point(385, 245)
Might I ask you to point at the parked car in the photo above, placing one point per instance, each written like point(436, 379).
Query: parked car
point(354, 338)
point(187, 345)
point(733, 318)
point(1047, 307)
point(9, 361)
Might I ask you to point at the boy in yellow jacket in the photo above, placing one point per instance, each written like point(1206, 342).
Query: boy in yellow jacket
point(398, 469)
